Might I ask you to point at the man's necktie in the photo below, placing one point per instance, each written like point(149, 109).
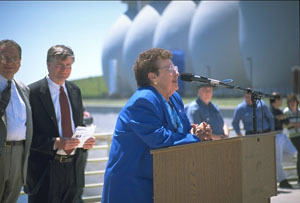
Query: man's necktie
point(4, 100)
point(5, 97)
point(65, 116)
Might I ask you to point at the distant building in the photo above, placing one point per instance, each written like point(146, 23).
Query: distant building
point(254, 43)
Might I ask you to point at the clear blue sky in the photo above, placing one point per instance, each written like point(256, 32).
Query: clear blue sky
point(38, 25)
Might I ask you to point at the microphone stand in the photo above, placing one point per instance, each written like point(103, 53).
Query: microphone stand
point(255, 95)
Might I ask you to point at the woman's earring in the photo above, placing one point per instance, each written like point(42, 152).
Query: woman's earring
point(155, 83)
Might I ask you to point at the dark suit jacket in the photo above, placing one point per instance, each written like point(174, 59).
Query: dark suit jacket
point(45, 131)
point(24, 93)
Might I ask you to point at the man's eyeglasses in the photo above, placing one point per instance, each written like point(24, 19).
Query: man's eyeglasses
point(7, 59)
point(172, 69)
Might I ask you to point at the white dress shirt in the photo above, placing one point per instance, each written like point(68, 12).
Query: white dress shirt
point(54, 91)
point(15, 115)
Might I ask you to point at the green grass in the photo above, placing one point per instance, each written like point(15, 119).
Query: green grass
point(221, 102)
point(104, 102)
point(92, 87)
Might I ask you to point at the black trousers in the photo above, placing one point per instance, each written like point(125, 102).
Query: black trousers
point(296, 143)
point(59, 186)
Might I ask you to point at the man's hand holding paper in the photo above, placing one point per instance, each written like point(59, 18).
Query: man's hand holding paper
point(89, 143)
point(85, 136)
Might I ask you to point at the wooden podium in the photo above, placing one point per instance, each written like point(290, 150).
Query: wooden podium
point(234, 170)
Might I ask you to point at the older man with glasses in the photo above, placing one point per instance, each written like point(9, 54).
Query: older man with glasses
point(15, 123)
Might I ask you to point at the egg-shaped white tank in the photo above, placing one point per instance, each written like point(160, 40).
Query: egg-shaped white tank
point(172, 33)
point(214, 43)
point(138, 39)
point(112, 64)
point(269, 40)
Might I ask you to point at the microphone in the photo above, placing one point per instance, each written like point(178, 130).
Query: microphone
point(189, 77)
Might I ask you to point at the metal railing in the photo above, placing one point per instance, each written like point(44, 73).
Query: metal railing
point(103, 136)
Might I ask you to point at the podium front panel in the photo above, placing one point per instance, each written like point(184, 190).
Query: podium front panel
point(215, 171)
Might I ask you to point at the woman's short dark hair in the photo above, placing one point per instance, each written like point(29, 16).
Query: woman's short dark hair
point(276, 95)
point(146, 63)
point(60, 52)
point(8, 42)
point(291, 98)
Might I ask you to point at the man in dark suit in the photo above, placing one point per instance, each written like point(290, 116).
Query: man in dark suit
point(15, 123)
point(56, 166)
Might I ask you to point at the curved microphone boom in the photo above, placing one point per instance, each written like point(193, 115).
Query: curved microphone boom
point(189, 77)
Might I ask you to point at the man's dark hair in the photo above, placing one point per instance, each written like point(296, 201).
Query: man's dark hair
point(60, 52)
point(276, 97)
point(8, 42)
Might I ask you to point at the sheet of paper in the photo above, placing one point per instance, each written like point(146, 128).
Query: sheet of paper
point(84, 133)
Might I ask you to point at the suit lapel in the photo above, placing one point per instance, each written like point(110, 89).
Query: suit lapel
point(45, 97)
point(25, 96)
point(165, 110)
point(180, 112)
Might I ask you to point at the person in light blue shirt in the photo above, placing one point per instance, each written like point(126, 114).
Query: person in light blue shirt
point(203, 110)
point(244, 113)
point(153, 118)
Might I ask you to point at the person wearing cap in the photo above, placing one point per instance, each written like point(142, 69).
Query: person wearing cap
point(284, 147)
point(56, 167)
point(204, 110)
point(15, 123)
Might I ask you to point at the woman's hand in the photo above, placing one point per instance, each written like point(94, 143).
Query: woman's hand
point(194, 128)
point(204, 132)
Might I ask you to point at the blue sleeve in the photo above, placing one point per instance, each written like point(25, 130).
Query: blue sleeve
point(236, 121)
point(149, 123)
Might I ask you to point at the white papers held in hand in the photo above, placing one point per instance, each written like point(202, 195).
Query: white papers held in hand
point(83, 134)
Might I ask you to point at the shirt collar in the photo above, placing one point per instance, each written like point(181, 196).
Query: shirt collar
point(3, 82)
point(53, 85)
point(3, 79)
point(200, 102)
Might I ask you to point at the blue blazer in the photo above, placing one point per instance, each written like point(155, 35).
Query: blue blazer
point(143, 124)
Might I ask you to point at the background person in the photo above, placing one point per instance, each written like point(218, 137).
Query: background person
point(284, 147)
point(292, 112)
point(56, 167)
point(153, 118)
point(203, 110)
point(244, 112)
point(15, 124)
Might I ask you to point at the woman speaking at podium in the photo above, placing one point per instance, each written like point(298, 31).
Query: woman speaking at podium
point(152, 118)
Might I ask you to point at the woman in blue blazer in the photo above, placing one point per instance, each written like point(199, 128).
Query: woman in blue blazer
point(153, 118)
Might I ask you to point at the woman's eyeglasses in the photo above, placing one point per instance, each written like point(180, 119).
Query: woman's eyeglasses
point(172, 69)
